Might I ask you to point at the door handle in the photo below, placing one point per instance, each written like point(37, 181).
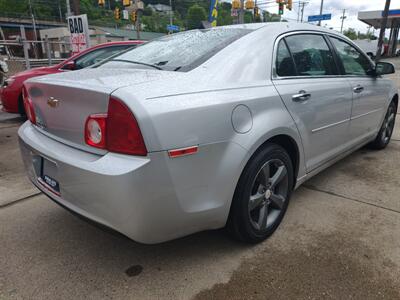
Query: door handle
point(301, 96)
point(358, 89)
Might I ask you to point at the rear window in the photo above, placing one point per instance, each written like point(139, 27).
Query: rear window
point(178, 52)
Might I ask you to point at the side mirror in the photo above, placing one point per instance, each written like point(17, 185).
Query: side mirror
point(383, 68)
point(69, 66)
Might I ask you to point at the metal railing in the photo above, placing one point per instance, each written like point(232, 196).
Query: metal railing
point(21, 54)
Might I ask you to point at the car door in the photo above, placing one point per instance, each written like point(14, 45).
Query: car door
point(369, 92)
point(307, 78)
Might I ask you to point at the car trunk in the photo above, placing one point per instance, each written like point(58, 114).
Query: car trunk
point(61, 111)
point(63, 102)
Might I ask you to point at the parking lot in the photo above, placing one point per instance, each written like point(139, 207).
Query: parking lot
point(339, 239)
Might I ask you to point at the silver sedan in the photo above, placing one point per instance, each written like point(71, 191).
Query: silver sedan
point(204, 129)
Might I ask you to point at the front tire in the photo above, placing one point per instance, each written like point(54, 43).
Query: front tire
point(262, 195)
point(386, 131)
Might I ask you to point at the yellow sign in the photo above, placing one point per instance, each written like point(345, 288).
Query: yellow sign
point(212, 18)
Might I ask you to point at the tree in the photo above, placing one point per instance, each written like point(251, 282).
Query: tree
point(248, 17)
point(350, 33)
point(224, 14)
point(366, 36)
point(195, 15)
point(268, 17)
point(147, 11)
point(158, 22)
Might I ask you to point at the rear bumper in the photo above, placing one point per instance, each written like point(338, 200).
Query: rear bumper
point(137, 196)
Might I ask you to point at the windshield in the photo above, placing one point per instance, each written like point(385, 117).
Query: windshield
point(177, 52)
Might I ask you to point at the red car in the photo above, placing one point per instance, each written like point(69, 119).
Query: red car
point(11, 92)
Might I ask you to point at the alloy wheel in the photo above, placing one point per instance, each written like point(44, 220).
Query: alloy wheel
point(268, 194)
point(388, 124)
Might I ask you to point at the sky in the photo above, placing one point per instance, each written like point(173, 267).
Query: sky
point(335, 7)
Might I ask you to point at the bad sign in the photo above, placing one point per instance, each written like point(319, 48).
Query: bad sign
point(79, 29)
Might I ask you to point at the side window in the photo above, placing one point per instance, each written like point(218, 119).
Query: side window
point(354, 62)
point(97, 55)
point(284, 62)
point(311, 55)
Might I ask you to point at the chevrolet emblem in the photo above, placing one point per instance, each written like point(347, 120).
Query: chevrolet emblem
point(53, 102)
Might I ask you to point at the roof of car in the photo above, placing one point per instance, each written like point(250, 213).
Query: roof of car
point(281, 26)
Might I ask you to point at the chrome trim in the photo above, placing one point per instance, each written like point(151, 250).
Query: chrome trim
point(365, 114)
point(274, 76)
point(301, 96)
point(323, 77)
point(329, 126)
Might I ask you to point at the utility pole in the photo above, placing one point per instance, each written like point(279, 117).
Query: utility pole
point(302, 10)
point(382, 32)
point(59, 11)
point(76, 7)
point(137, 23)
point(241, 12)
point(342, 17)
point(170, 12)
point(33, 19)
point(69, 13)
point(320, 11)
point(298, 12)
point(34, 27)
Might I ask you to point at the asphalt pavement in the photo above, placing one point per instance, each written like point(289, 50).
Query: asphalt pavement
point(340, 239)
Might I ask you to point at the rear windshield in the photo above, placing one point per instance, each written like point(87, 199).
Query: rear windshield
point(177, 52)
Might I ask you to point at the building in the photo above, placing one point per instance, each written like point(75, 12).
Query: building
point(160, 8)
point(59, 37)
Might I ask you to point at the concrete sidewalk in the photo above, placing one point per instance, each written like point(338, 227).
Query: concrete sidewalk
point(339, 239)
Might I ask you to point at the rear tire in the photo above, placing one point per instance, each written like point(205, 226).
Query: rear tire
point(386, 131)
point(262, 195)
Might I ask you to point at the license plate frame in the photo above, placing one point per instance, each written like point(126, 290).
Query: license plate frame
point(48, 176)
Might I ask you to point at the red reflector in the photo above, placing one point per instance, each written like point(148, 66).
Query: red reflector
point(182, 151)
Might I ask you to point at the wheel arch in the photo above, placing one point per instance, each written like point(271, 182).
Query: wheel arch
point(287, 142)
point(290, 145)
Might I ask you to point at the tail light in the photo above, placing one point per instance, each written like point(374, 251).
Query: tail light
point(28, 105)
point(117, 131)
point(95, 130)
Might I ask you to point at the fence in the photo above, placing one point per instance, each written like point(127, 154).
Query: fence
point(21, 54)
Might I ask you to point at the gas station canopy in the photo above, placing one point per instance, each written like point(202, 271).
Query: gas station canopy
point(374, 18)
